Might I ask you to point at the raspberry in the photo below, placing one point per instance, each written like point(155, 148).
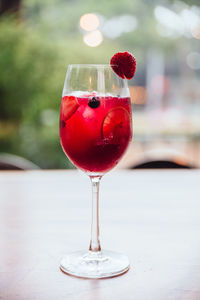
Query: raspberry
point(124, 64)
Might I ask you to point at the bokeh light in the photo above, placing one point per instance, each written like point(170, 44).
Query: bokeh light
point(196, 33)
point(89, 22)
point(176, 24)
point(116, 26)
point(169, 19)
point(93, 39)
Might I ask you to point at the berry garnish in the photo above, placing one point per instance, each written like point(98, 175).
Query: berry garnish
point(123, 64)
point(94, 102)
point(116, 126)
point(69, 106)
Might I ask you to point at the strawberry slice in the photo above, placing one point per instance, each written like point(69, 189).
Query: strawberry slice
point(69, 106)
point(116, 126)
point(124, 64)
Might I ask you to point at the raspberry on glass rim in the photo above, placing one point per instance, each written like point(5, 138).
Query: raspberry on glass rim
point(123, 64)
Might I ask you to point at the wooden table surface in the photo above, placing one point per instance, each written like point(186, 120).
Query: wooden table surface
point(152, 216)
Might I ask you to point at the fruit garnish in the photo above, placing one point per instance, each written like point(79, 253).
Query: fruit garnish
point(94, 102)
point(69, 106)
point(116, 125)
point(124, 64)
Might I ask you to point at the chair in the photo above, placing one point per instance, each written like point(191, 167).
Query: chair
point(161, 164)
point(162, 159)
point(14, 162)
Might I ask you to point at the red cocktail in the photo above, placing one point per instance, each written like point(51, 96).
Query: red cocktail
point(95, 130)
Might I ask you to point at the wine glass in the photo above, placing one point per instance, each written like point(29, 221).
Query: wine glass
point(95, 131)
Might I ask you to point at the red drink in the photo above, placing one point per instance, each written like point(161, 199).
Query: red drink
point(95, 130)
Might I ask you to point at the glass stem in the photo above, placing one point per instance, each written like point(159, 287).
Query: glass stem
point(95, 242)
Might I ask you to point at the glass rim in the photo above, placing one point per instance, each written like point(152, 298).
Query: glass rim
point(92, 65)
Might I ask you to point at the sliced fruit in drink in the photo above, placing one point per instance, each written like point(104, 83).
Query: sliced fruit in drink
point(69, 106)
point(116, 126)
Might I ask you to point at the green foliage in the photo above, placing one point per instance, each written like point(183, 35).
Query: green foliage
point(31, 80)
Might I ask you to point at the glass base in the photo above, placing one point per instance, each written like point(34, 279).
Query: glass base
point(101, 264)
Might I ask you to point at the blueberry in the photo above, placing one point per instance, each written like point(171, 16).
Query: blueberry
point(94, 102)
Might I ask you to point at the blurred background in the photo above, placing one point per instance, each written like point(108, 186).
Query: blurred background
point(38, 39)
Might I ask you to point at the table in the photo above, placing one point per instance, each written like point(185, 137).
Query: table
point(152, 216)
